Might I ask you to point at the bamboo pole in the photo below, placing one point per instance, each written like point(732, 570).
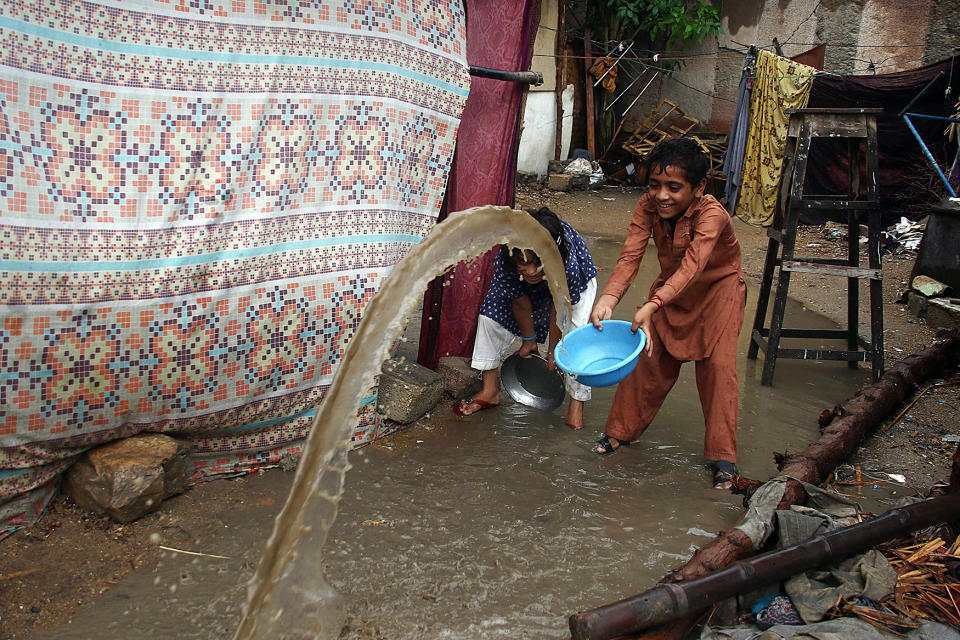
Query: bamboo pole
point(669, 601)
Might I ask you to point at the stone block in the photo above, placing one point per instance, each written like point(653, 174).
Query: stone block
point(129, 478)
point(460, 380)
point(579, 182)
point(943, 312)
point(527, 177)
point(917, 304)
point(560, 181)
point(928, 286)
point(407, 390)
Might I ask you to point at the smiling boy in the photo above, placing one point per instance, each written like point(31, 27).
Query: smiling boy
point(694, 310)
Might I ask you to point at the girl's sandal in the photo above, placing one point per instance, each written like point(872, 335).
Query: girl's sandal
point(605, 445)
point(460, 408)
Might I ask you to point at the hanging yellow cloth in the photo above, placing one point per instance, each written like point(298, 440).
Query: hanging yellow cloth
point(779, 84)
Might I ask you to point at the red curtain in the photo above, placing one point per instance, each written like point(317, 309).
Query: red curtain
point(499, 36)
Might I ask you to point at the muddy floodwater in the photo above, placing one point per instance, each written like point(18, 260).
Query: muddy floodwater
point(495, 526)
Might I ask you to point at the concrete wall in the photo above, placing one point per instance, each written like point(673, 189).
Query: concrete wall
point(890, 35)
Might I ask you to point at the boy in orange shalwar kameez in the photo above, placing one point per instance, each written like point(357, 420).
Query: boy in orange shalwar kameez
point(694, 311)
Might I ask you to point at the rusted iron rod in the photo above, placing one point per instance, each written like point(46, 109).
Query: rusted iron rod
point(667, 602)
point(524, 77)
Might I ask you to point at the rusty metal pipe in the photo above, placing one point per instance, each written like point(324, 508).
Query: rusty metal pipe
point(667, 602)
point(534, 78)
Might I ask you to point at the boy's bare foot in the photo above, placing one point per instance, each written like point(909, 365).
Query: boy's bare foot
point(574, 416)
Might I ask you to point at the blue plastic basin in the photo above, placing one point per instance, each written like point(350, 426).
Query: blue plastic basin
point(600, 358)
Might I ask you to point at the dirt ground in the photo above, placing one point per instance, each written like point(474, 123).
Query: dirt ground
point(49, 570)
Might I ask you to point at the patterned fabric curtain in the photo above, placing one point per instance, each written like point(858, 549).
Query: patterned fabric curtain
point(499, 36)
point(779, 84)
point(197, 201)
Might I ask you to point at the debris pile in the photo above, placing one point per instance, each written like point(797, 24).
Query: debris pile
point(928, 578)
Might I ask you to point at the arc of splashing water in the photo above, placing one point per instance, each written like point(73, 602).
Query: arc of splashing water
point(463, 235)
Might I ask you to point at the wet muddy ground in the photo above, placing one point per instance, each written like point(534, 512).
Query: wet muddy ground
point(498, 525)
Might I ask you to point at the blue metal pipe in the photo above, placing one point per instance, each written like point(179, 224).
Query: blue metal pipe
point(926, 151)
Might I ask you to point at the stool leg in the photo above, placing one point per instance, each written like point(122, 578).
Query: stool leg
point(854, 158)
point(773, 249)
point(790, 219)
point(876, 286)
point(853, 286)
point(770, 263)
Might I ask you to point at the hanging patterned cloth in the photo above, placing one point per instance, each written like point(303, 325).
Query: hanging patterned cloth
point(779, 84)
point(197, 202)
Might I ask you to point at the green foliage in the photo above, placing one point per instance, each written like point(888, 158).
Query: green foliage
point(669, 21)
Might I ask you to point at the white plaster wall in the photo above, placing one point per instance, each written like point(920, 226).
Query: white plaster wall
point(566, 124)
point(539, 137)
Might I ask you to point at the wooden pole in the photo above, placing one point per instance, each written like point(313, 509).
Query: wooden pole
point(591, 121)
point(854, 417)
point(955, 472)
point(559, 50)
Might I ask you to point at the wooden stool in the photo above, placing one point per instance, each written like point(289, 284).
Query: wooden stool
point(806, 124)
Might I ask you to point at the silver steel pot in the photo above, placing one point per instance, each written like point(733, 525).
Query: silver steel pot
point(529, 382)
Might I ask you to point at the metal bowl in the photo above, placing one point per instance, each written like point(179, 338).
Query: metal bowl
point(529, 382)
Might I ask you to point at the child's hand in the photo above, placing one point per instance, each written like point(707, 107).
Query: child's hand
point(551, 364)
point(603, 310)
point(643, 319)
point(528, 347)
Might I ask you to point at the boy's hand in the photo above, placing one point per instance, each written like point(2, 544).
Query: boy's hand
point(603, 310)
point(643, 319)
point(551, 364)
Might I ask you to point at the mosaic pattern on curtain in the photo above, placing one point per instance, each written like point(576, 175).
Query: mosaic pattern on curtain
point(197, 201)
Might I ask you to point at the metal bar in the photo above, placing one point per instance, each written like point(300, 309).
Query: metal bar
point(922, 91)
point(929, 117)
point(647, 86)
point(534, 78)
point(624, 92)
point(926, 152)
point(600, 79)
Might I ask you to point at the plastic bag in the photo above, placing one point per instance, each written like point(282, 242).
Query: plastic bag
point(579, 167)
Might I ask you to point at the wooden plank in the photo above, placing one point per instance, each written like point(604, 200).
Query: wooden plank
point(559, 52)
point(774, 234)
point(815, 260)
point(830, 110)
point(832, 204)
point(758, 339)
point(831, 270)
point(832, 334)
point(824, 354)
point(587, 63)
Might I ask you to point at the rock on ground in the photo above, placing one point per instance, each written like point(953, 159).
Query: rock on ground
point(129, 478)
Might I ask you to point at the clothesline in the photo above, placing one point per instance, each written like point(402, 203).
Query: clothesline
point(647, 65)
